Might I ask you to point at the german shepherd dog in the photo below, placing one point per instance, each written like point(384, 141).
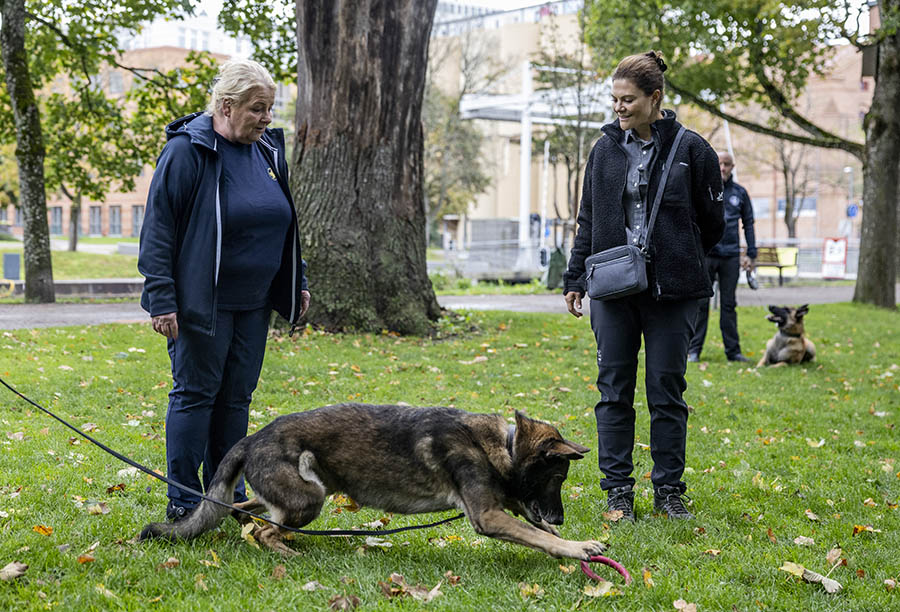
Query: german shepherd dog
point(399, 459)
point(789, 345)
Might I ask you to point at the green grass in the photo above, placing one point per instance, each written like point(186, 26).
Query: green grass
point(98, 239)
point(755, 466)
point(449, 285)
point(72, 266)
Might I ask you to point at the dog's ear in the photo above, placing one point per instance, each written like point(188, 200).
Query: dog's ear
point(566, 449)
point(802, 310)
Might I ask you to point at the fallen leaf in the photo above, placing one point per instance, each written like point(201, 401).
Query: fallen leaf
point(214, 562)
point(343, 602)
point(247, 534)
point(804, 541)
point(454, 580)
point(42, 529)
point(712, 552)
point(860, 573)
point(424, 594)
point(199, 583)
point(478, 359)
point(684, 606)
point(12, 571)
point(378, 542)
point(833, 555)
point(169, 563)
point(279, 572)
point(18, 435)
point(105, 592)
point(648, 579)
point(811, 515)
point(890, 584)
point(815, 444)
point(792, 568)
point(313, 585)
point(89, 427)
point(114, 488)
point(530, 590)
point(869, 502)
point(830, 586)
point(857, 529)
point(100, 508)
point(566, 569)
point(771, 535)
point(600, 589)
point(85, 558)
point(613, 515)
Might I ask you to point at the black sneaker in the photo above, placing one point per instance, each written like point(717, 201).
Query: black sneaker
point(693, 357)
point(739, 357)
point(176, 513)
point(621, 498)
point(670, 500)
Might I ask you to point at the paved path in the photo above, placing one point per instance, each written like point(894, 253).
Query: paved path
point(18, 316)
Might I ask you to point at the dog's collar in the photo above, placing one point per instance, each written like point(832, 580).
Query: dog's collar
point(781, 331)
point(510, 438)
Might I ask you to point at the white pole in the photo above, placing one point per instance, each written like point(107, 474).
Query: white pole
point(545, 180)
point(525, 162)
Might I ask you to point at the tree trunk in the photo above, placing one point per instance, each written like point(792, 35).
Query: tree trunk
point(877, 271)
point(74, 218)
point(29, 154)
point(357, 169)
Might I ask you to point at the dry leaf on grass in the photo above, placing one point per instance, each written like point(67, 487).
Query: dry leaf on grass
point(830, 586)
point(105, 592)
point(833, 555)
point(100, 508)
point(313, 585)
point(279, 572)
point(648, 578)
point(684, 606)
point(86, 558)
point(169, 563)
point(43, 530)
point(857, 529)
point(12, 571)
point(613, 515)
point(343, 602)
point(811, 515)
point(530, 590)
point(600, 589)
point(247, 534)
point(451, 579)
point(804, 541)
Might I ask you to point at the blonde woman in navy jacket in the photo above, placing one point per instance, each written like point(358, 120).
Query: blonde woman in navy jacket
point(219, 250)
point(621, 179)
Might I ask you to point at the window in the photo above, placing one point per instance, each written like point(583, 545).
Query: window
point(18, 222)
point(182, 37)
point(807, 207)
point(4, 213)
point(205, 44)
point(56, 220)
point(137, 220)
point(761, 208)
point(116, 83)
point(193, 39)
point(115, 220)
point(95, 218)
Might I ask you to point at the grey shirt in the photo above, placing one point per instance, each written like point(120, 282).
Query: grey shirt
point(640, 155)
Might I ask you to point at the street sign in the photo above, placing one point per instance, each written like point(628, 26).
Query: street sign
point(834, 258)
point(852, 210)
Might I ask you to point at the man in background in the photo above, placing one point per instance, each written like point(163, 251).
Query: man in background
point(725, 263)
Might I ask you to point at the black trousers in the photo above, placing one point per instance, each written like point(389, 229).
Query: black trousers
point(727, 269)
point(666, 328)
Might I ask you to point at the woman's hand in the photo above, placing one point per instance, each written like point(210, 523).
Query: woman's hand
point(573, 303)
point(304, 303)
point(166, 324)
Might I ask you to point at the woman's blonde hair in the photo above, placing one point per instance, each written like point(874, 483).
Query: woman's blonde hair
point(236, 81)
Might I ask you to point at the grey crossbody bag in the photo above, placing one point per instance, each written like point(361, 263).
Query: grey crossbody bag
point(622, 270)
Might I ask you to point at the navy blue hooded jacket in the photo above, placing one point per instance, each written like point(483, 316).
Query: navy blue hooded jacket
point(689, 222)
point(737, 206)
point(181, 238)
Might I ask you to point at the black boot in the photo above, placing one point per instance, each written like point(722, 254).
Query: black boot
point(621, 498)
point(670, 500)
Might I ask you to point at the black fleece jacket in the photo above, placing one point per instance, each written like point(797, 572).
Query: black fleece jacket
point(690, 219)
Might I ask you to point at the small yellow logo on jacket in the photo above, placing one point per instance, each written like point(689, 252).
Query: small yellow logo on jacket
point(271, 174)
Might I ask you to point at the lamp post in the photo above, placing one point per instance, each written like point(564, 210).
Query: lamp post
point(848, 170)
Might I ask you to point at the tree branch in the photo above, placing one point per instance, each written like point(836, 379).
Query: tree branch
point(834, 142)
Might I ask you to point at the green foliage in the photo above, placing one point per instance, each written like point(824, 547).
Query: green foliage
point(764, 446)
point(272, 27)
point(454, 173)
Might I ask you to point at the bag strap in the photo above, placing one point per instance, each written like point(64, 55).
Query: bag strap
point(645, 236)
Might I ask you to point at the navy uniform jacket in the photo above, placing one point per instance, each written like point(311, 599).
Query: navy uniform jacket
point(737, 206)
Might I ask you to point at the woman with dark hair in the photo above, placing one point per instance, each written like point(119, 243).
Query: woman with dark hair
point(621, 179)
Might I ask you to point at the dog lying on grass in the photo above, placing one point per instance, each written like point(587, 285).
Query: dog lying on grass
point(789, 344)
point(404, 460)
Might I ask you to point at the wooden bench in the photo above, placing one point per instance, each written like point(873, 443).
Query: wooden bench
point(769, 257)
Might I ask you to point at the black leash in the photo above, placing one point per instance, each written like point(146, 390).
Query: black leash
point(146, 470)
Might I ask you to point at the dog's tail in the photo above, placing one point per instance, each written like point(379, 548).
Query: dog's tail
point(208, 514)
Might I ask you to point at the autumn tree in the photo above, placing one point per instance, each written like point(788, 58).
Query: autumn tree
point(29, 152)
point(565, 67)
point(731, 54)
point(82, 135)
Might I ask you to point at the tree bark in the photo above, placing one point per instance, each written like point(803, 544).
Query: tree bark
point(29, 154)
point(877, 274)
point(357, 169)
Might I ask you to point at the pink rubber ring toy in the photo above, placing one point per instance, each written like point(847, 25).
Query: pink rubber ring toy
point(605, 561)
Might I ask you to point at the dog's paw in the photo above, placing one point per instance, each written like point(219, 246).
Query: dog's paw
point(589, 548)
